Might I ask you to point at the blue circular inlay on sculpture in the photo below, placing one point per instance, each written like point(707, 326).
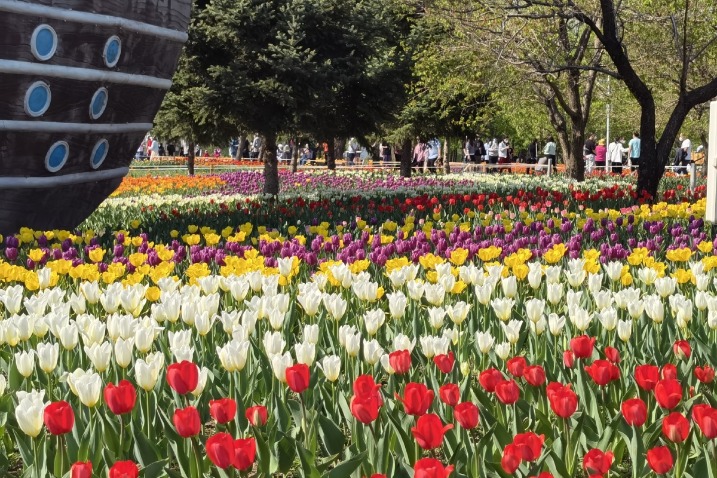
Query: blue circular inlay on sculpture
point(44, 42)
point(99, 153)
point(113, 49)
point(57, 156)
point(98, 103)
point(37, 99)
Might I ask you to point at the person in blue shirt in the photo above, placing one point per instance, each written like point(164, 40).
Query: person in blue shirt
point(634, 151)
point(434, 152)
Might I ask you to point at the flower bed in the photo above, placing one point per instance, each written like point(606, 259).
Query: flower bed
point(465, 334)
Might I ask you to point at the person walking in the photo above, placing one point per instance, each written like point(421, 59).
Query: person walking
point(419, 154)
point(633, 153)
point(589, 154)
point(434, 152)
point(256, 148)
point(600, 155)
point(492, 150)
point(614, 153)
point(504, 153)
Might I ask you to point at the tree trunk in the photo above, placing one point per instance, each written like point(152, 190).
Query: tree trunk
point(237, 156)
point(190, 158)
point(271, 165)
point(339, 148)
point(406, 157)
point(652, 167)
point(330, 158)
point(446, 157)
point(574, 162)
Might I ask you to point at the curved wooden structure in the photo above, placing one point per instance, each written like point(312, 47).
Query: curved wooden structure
point(80, 83)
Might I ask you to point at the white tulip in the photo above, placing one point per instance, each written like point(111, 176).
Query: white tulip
point(201, 382)
point(172, 306)
point(594, 282)
point(415, 289)
point(132, 299)
point(209, 284)
point(3, 385)
point(635, 308)
point(603, 299)
point(254, 278)
point(279, 363)
point(47, 356)
point(534, 309)
point(712, 319)
point(40, 327)
point(270, 285)
point(69, 336)
point(535, 274)
point(554, 293)
point(89, 387)
point(484, 341)
point(665, 286)
point(320, 280)
point(373, 320)
point(435, 317)
point(397, 303)
point(624, 329)
point(556, 323)
point(342, 273)
point(335, 305)
point(305, 353)
point(146, 375)
point(25, 326)
point(398, 277)
point(512, 330)
point(233, 355)
point(502, 350)
point(345, 330)
point(402, 342)
point(702, 282)
point(471, 274)
point(353, 344)
point(654, 308)
point(448, 282)
point(510, 286)
point(77, 302)
point(29, 412)
point(8, 333)
point(330, 365)
point(539, 326)
point(239, 288)
point(310, 302)
point(427, 346)
point(12, 299)
point(386, 364)
point(168, 285)
point(452, 335)
point(697, 268)
point(613, 269)
point(552, 274)
point(575, 279)
point(100, 355)
point(573, 298)
point(124, 352)
point(647, 275)
point(372, 352)
point(25, 363)
point(701, 299)
point(458, 312)
point(580, 317)
point(608, 318)
point(435, 293)
point(274, 343)
point(311, 333)
point(502, 307)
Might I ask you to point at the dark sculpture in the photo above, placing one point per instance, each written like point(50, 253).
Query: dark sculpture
point(80, 83)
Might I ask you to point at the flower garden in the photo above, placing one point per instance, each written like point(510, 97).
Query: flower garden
point(362, 325)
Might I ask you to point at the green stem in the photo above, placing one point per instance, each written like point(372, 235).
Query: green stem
point(149, 415)
point(121, 437)
point(195, 448)
point(303, 422)
point(568, 456)
point(35, 461)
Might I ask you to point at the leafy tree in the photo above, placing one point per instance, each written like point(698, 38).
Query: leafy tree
point(323, 68)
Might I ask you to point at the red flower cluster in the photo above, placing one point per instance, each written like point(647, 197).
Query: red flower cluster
point(224, 451)
point(525, 447)
point(563, 400)
point(429, 431)
point(367, 401)
point(416, 399)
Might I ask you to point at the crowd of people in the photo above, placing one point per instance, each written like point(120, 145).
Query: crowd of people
point(494, 153)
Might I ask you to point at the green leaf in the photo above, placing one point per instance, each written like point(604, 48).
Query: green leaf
point(331, 436)
point(308, 461)
point(285, 451)
point(154, 470)
point(347, 467)
point(144, 451)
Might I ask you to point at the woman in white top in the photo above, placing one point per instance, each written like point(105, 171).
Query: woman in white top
point(614, 154)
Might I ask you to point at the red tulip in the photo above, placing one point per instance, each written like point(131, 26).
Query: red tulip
point(510, 461)
point(612, 354)
point(660, 459)
point(187, 422)
point(257, 415)
point(364, 409)
point(675, 427)
point(59, 418)
point(81, 469)
point(682, 349)
point(603, 372)
point(529, 445)
point(400, 361)
point(634, 411)
point(244, 453)
point(706, 419)
point(563, 401)
point(120, 398)
point(416, 399)
point(705, 374)
point(669, 371)
point(378, 475)
point(444, 362)
point(489, 379)
point(297, 377)
point(431, 468)
point(223, 410)
point(183, 377)
point(220, 450)
point(516, 366)
point(544, 474)
point(507, 392)
point(450, 394)
point(668, 393)
point(597, 462)
point(647, 376)
point(124, 469)
point(568, 359)
point(364, 385)
point(466, 414)
point(534, 375)
point(582, 346)
point(429, 431)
